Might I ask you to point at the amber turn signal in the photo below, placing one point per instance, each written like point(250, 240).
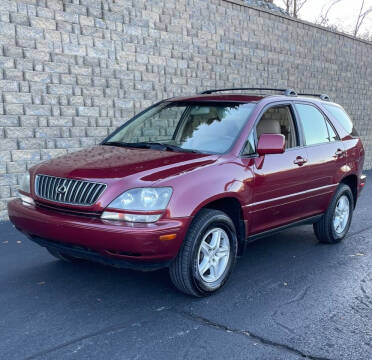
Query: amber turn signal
point(167, 237)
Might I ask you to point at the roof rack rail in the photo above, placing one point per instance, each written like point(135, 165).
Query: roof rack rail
point(287, 92)
point(324, 97)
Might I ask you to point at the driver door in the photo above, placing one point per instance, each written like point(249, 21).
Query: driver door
point(280, 181)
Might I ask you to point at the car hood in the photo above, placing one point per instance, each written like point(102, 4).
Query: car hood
point(109, 164)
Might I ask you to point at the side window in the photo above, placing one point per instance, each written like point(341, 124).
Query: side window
point(250, 147)
point(279, 120)
point(340, 114)
point(316, 128)
point(332, 134)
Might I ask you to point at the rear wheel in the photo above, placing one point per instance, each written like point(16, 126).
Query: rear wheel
point(335, 223)
point(61, 256)
point(207, 255)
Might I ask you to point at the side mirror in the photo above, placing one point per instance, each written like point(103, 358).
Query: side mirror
point(270, 144)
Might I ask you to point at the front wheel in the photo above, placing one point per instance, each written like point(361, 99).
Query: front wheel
point(335, 223)
point(207, 255)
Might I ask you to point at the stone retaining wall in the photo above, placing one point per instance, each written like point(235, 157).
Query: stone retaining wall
point(71, 71)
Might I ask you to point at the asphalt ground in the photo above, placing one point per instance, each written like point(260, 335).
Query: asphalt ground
point(289, 297)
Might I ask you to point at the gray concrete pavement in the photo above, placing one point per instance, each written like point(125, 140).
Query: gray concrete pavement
point(288, 298)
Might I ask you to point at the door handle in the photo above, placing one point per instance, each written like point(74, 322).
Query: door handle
point(339, 153)
point(300, 161)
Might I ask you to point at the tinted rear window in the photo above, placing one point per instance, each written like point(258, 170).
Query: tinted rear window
point(340, 114)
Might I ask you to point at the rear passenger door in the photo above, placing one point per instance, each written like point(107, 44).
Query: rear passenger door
point(325, 153)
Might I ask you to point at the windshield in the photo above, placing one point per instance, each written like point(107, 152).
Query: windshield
point(185, 126)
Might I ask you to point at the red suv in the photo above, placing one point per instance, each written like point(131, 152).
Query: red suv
point(187, 183)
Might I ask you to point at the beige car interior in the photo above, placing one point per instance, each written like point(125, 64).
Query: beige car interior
point(278, 120)
point(196, 119)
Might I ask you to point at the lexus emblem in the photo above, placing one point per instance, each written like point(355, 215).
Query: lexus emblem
point(62, 189)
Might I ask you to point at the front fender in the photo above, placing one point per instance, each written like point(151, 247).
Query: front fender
point(192, 191)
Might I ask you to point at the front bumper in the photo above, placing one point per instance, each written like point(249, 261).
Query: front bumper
point(134, 243)
point(362, 182)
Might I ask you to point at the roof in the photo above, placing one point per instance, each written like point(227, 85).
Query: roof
point(225, 95)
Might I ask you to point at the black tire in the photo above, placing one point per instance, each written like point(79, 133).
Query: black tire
point(60, 256)
point(184, 271)
point(324, 229)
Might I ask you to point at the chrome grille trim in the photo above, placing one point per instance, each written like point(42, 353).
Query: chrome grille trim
point(77, 192)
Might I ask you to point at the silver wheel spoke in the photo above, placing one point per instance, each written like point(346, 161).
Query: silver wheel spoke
point(204, 266)
point(342, 214)
point(216, 238)
point(220, 265)
point(213, 255)
point(205, 248)
point(213, 271)
point(222, 253)
point(337, 225)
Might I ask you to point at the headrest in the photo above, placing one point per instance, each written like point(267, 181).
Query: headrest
point(268, 126)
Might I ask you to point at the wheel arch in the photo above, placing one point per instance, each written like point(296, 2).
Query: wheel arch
point(352, 181)
point(233, 208)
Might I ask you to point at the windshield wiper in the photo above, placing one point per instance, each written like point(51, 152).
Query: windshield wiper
point(167, 147)
point(179, 149)
point(124, 144)
point(151, 145)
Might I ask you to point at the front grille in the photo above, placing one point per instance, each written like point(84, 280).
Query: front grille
point(68, 191)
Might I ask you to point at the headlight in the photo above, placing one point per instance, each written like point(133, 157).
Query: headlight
point(139, 199)
point(143, 199)
point(25, 183)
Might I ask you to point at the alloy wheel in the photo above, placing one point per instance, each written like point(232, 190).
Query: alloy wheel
point(213, 255)
point(342, 214)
